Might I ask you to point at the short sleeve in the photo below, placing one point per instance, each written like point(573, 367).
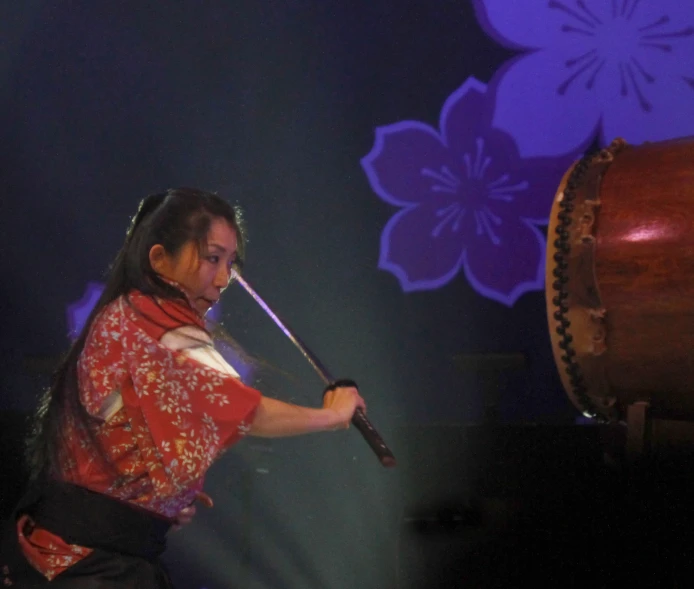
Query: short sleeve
point(198, 345)
point(185, 411)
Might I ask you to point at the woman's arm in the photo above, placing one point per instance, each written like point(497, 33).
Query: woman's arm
point(275, 418)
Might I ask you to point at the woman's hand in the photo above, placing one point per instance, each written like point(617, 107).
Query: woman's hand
point(274, 419)
point(185, 516)
point(343, 401)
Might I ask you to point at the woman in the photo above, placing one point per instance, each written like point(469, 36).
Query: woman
point(141, 407)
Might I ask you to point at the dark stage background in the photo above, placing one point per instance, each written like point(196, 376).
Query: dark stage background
point(274, 105)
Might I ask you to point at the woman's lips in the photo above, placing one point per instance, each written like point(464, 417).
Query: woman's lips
point(208, 302)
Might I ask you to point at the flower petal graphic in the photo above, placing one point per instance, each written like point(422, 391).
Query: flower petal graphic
point(656, 97)
point(540, 178)
point(398, 163)
point(505, 271)
point(671, 116)
point(624, 66)
point(423, 245)
point(535, 24)
point(527, 24)
point(536, 107)
point(654, 11)
point(466, 114)
point(467, 197)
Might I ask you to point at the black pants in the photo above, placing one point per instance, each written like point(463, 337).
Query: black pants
point(126, 543)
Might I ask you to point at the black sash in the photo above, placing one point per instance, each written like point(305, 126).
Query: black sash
point(92, 520)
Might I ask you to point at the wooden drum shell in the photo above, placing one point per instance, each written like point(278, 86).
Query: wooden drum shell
point(620, 279)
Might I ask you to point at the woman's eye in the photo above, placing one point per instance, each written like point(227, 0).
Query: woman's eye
point(213, 259)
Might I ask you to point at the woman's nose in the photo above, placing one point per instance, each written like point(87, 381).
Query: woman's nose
point(223, 276)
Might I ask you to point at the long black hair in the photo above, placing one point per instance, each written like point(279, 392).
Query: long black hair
point(170, 218)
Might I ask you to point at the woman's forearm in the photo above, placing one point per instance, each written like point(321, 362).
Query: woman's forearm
point(275, 418)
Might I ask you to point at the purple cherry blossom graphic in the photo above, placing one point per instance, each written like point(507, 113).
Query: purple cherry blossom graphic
point(78, 312)
point(622, 68)
point(467, 199)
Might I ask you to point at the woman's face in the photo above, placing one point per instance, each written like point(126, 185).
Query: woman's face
point(203, 272)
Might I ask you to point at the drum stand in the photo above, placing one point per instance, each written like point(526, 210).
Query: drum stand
point(651, 437)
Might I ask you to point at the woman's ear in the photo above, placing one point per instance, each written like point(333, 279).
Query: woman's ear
point(158, 259)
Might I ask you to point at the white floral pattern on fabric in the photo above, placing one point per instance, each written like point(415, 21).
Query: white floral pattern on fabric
point(178, 415)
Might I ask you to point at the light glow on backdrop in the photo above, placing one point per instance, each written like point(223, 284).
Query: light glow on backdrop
point(473, 194)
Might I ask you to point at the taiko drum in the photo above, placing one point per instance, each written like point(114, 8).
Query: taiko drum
point(620, 280)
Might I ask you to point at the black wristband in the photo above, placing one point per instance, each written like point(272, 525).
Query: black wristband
point(342, 382)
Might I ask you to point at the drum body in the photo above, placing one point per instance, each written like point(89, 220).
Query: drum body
point(620, 280)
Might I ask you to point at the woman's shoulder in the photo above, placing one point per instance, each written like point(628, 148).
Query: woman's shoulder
point(157, 314)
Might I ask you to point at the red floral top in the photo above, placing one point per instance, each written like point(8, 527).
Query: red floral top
point(169, 405)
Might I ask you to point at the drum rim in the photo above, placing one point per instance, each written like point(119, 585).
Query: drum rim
point(579, 350)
